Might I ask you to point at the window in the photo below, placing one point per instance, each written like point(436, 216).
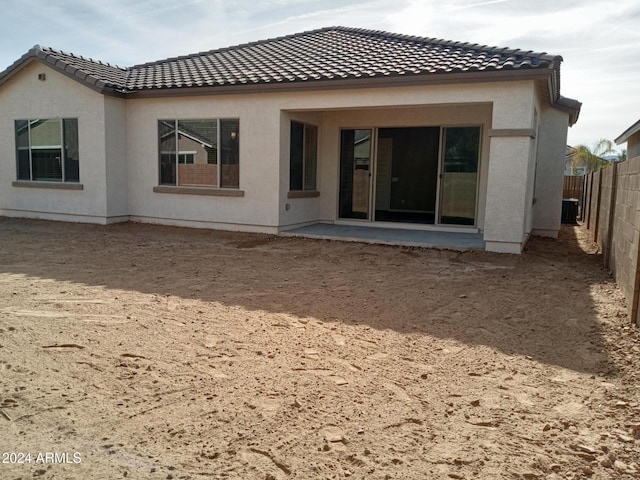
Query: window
point(186, 157)
point(303, 156)
point(47, 150)
point(199, 153)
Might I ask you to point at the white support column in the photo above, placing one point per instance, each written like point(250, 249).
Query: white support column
point(507, 207)
point(505, 217)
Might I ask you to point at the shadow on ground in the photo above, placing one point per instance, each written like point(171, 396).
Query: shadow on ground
point(539, 304)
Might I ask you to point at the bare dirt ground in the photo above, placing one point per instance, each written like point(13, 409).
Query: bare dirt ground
point(148, 352)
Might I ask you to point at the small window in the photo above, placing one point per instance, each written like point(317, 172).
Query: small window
point(47, 150)
point(186, 158)
point(303, 156)
point(199, 153)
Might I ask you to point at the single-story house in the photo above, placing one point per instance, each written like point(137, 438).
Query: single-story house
point(632, 138)
point(336, 125)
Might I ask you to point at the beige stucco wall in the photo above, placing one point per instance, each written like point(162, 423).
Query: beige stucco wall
point(259, 154)
point(115, 112)
point(264, 117)
point(552, 141)
point(25, 97)
point(119, 151)
point(506, 208)
point(509, 186)
point(297, 211)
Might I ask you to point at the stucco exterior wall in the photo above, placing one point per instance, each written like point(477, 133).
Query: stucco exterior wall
point(119, 164)
point(115, 112)
point(26, 97)
point(298, 211)
point(265, 117)
point(509, 187)
point(259, 156)
point(506, 206)
point(552, 141)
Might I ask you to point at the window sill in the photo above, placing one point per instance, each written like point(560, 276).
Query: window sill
point(52, 185)
point(216, 192)
point(303, 194)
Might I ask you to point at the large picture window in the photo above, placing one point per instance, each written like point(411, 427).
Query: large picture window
point(303, 156)
point(47, 150)
point(199, 153)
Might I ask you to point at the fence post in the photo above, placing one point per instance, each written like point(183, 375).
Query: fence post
point(612, 214)
point(583, 197)
point(598, 200)
point(636, 291)
point(590, 194)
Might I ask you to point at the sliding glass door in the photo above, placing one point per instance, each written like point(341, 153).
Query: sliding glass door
point(406, 175)
point(355, 173)
point(459, 177)
point(426, 175)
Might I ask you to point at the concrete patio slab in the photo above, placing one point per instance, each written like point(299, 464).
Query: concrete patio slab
point(390, 236)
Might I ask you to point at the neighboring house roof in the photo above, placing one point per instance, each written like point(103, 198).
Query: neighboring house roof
point(334, 54)
point(635, 128)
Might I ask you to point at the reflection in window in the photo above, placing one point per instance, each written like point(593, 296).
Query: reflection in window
point(47, 150)
point(199, 153)
point(460, 175)
point(303, 156)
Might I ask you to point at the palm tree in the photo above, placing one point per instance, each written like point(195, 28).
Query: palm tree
point(591, 157)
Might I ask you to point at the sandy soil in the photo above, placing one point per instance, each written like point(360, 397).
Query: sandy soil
point(149, 352)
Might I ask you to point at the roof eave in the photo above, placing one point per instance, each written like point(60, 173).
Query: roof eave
point(18, 65)
point(36, 54)
point(570, 106)
point(624, 136)
point(565, 104)
point(347, 83)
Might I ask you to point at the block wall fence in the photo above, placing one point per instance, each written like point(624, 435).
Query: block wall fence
point(611, 213)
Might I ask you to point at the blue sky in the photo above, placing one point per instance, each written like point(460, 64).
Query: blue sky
point(598, 39)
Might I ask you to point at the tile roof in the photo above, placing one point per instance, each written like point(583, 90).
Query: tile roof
point(330, 53)
point(111, 75)
point(309, 58)
point(96, 74)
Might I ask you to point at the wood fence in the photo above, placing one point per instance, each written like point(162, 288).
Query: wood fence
point(573, 187)
point(611, 212)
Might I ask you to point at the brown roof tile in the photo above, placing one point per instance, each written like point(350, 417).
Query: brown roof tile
point(326, 54)
point(330, 53)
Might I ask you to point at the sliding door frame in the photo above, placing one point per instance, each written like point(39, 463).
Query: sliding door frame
point(373, 172)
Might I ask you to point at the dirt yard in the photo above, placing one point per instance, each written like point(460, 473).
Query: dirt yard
point(150, 352)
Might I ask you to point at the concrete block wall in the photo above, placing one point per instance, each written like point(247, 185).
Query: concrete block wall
point(606, 209)
point(614, 221)
point(626, 233)
point(594, 201)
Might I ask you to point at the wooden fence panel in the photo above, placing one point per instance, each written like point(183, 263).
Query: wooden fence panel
point(572, 187)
